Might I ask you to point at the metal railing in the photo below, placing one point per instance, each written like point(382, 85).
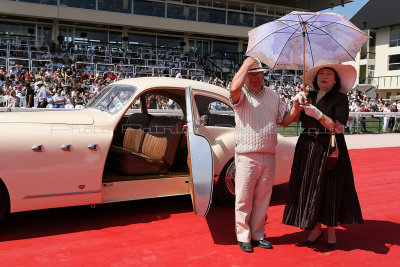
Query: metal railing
point(384, 82)
point(374, 121)
point(12, 56)
point(37, 64)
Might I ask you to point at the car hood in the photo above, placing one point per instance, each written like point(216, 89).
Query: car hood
point(76, 117)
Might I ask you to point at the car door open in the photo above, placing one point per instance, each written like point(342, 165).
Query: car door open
point(200, 161)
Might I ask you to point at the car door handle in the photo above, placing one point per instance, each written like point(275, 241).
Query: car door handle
point(92, 147)
point(66, 147)
point(37, 148)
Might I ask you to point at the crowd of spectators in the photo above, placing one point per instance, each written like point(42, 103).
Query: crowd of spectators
point(358, 102)
point(65, 88)
point(70, 85)
point(63, 76)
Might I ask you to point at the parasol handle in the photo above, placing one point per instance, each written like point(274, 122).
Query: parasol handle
point(304, 56)
point(304, 60)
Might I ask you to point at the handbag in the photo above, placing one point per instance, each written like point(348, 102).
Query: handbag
point(332, 154)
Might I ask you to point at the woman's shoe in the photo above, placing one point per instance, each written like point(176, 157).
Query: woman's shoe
point(308, 242)
point(333, 246)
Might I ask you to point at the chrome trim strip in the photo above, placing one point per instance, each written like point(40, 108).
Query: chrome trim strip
point(63, 194)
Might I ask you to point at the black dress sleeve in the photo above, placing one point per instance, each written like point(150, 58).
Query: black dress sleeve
point(341, 108)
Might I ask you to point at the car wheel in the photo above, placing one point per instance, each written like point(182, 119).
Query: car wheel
point(225, 189)
point(4, 201)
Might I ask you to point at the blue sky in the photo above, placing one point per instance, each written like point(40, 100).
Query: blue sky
point(349, 10)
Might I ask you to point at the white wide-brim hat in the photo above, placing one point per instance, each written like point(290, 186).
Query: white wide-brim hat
point(347, 75)
point(258, 68)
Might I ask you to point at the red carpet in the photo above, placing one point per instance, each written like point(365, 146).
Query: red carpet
point(165, 232)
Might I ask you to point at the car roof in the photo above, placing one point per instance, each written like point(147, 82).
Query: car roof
point(152, 82)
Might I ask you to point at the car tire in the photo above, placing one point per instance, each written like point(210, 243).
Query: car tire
point(225, 189)
point(4, 201)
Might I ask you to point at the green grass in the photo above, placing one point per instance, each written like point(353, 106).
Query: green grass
point(373, 125)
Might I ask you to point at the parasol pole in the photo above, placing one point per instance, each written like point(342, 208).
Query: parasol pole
point(304, 56)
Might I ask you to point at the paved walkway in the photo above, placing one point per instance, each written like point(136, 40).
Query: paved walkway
point(358, 141)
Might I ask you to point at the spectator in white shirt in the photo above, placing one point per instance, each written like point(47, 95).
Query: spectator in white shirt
point(59, 100)
point(48, 73)
point(13, 100)
point(386, 118)
point(68, 102)
point(42, 96)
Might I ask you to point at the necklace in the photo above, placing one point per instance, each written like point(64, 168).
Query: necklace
point(319, 96)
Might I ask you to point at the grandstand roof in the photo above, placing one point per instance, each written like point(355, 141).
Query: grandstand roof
point(377, 14)
point(311, 5)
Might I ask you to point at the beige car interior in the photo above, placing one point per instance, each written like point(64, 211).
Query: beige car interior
point(145, 146)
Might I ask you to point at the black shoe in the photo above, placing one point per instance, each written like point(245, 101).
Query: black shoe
point(262, 244)
point(245, 246)
point(333, 246)
point(308, 242)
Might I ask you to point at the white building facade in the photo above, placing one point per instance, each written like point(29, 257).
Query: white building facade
point(378, 62)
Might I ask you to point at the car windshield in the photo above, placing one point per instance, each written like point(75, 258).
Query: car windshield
point(112, 98)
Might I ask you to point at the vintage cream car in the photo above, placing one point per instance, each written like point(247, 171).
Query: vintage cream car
point(110, 152)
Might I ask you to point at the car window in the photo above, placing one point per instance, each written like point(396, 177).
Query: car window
point(113, 98)
point(164, 105)
point(214, 112)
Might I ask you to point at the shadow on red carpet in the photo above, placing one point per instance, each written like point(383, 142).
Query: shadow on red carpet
point(58, 221)
point(222, 230)
point(374, 236)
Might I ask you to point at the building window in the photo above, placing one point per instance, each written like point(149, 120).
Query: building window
point(87, 4)
point(371, 45)
point(122, 6)
point(219, 3)
point(225, 47)
point(212, 15)
point(170, 42)
point(45, 2)
point(395, 36)
point(263, 19)
point(394, 62)
point(240, 19)
point(115, 37)
point(141, 39)
point(44, 34)
point(90, 36)
point(17, 29)
point(205, 3)
point(181, 12)
point(190, 2)
point(149, 8)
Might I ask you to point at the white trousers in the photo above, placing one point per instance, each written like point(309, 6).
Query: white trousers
point(385, 123)
point(253, 187)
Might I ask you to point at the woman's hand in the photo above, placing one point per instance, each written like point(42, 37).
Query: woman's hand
point(300, 99)
point(327, 122)
point(312, 111)
point(338, 128)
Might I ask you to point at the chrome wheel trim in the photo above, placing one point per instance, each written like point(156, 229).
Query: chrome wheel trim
point(230, 178)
